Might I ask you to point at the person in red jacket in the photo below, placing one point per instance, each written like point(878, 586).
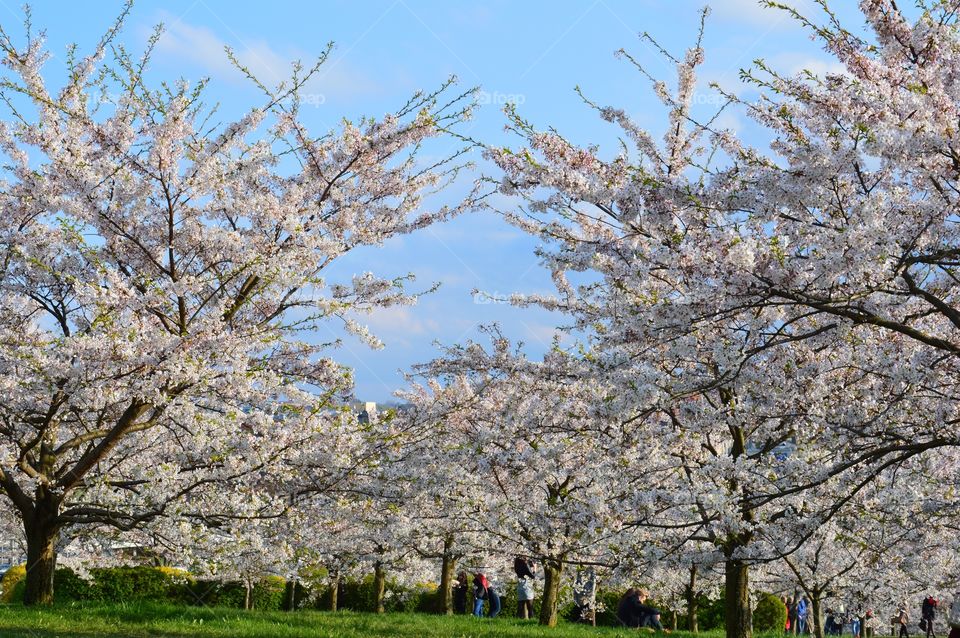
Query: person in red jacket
point(928, 614)
point(483, 590)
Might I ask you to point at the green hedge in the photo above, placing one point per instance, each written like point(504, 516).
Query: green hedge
point(158, 584)
point(123, 584)
point(141, 583)
point(67, 586)
point(711, 615)
point(11, 578)
point(358, 594)
point(268, 594)
point(770, 614)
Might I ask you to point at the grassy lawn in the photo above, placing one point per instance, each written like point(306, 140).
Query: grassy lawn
point(142, 620)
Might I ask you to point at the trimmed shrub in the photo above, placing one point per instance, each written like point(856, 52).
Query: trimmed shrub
point(302, 596)
point(770, 614)
point(359, 595)
point(422, 597)
point(230, 594)
point(201, 592)
point(124, 584)
point(712, 614)
point(68, 586)
point(8, 583)
point(268, 593)
point(19, 590)
point(180, 586)
point(508, 595)
point(356, 594)
point(160, 584)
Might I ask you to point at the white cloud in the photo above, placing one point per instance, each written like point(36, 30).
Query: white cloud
point(394, 323)
point(793, 63)
point(754, 12)
point(729, 120)
point(787, 64)
point(200, 45)
point(542, 334)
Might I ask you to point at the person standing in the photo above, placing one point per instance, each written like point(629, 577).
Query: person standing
point(494, 597)
point(856, 614)
point(523, 568)
point(481, 590)
point(830, 623)
point(460, 588)
point(903, 618)
point(802, 611)
point(928, 614)
point(869, 624)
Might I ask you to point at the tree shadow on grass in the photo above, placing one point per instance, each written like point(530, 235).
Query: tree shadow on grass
point(13, 632)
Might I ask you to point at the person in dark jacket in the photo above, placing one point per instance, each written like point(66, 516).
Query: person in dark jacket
point(633, 611)
point(649, 616)
point(522, 568)
point(928, 614)
point(830, 624)
point(483, 590)
point(628, 611)
point(460, 588)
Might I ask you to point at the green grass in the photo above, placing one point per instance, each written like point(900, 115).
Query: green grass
point(143, 620)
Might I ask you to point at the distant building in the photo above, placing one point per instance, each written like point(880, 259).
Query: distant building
point(11, 553)
point(781, 452)
point(365, 410)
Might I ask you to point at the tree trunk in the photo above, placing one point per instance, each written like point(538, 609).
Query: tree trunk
point(738, 617)
point(673, 621)
point(334, 591)
point(446, 580)
point(552, 570)
point(692, 602)
point(247, 594)
point(292, 584)
point(815, 613)
point(379, 585)
point(41, 562)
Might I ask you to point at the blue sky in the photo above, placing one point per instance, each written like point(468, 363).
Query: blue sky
point(532, 52)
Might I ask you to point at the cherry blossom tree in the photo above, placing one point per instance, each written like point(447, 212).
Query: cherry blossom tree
point(441, 503)
point(159, 270)
point(836, 562)
point(778, 321)
point(542, 476)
